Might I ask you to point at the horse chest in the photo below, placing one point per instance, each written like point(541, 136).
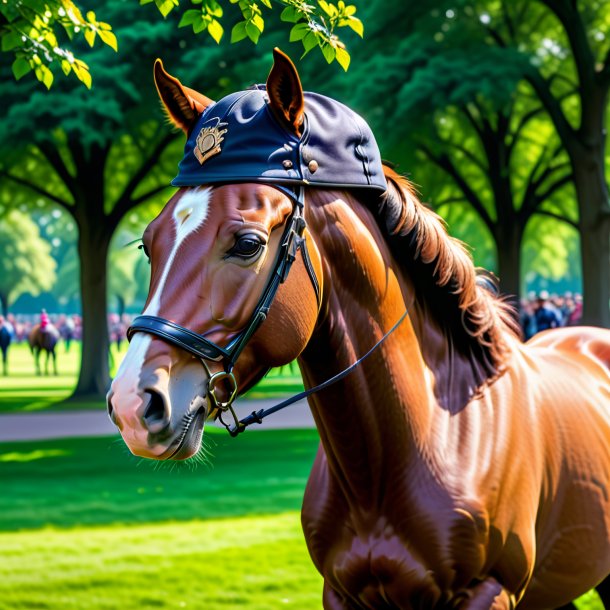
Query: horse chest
point(380, 571)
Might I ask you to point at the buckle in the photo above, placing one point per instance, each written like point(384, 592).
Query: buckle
point(213, 382)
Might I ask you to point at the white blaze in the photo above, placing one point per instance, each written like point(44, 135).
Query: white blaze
point(189, 214)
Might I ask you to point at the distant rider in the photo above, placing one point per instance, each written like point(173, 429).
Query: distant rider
point(44, 321)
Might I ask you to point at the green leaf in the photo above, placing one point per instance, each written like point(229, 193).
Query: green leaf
point(252, 31)
point(238, 32)
point(200, 25)
point(356, 25)
point(326, 7)
point(44, 75)
point(215, 30)
point(85, 77)
point(65, 66)
point(91, 17)
point(290, 14)
point(266, 3)
point(90, 37)
point(21, 67)
point(213, 8)
point(343, 58)
point(189, 17)
point(11, 40)
point(258, 21)
point(328, 52)
point(309, 42)
point(166, 6)
point(299, 31)
point(109, 38)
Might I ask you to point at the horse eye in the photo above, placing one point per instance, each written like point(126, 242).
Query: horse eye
point(145, 250)
point(246, 246)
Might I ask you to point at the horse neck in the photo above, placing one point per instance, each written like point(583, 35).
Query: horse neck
point(377, 420)
point(385, 402)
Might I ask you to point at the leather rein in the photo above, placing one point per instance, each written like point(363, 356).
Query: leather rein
point(206, 350)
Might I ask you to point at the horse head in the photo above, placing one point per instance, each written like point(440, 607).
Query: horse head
point(216, 252)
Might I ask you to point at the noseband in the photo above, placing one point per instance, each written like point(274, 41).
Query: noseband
point(206, 350)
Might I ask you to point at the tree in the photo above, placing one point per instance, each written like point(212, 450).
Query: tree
point(565, 43)
point(98, 154)
point(26, 264)
point(38, 32)
point(462, 107)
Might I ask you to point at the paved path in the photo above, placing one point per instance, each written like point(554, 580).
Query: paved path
point(61, 424)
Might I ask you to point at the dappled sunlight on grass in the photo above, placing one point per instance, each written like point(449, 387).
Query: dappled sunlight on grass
point(30, 456)
point(254, 562)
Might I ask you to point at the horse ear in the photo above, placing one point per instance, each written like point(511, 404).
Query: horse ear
point(285, 92)
point(183, 105)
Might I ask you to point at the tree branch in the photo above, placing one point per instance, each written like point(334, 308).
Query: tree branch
point(560, 217)
point(584, 60)
point(37, 189)
point(468, 154)
point(542, 88)
point(444, 162)
point(52, 155)
point(158, 189)
point(566, 179)
point(125, 202)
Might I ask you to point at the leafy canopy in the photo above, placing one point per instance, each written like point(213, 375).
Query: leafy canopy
point(26, 264)
point(43, 35)
point(38, 33)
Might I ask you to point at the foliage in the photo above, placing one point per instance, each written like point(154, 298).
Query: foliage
point(42, 35)
point(37, 32)
point(313, 24)
point(26, 264)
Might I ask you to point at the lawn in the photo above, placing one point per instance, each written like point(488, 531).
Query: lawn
point(22, 390)
point(85, 525)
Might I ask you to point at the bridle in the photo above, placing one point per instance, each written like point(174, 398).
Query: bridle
point(206, 350)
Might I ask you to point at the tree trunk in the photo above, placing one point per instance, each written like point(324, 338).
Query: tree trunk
point(94, 377)
point(120, 305)
point(4, 304)
point(594, 226)
point(508, 240)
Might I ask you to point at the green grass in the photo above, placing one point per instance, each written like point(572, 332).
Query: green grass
point(259, 563)
point(72, 482)
point(24, 391)
point(85, 525)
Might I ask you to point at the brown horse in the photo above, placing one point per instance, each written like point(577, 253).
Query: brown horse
point(458, 467)
point(44, 340)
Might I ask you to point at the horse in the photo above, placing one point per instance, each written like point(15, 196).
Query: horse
point(458, 467)
point(5, 341)
point(44, 340)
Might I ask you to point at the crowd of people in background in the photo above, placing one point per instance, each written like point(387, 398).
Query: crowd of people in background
point(543, 311)
point(69, 326)
point(538, 312)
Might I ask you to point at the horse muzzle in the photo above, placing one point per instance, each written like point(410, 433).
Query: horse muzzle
point(161, 416)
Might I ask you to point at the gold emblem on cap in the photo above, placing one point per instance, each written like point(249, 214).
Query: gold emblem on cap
point(208, 142)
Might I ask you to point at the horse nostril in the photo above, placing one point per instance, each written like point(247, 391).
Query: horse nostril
point(111, 413)
point(156, 415)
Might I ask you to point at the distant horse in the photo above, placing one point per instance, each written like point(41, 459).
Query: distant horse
point(5, 341)
point(44, 340)
point(458, 467)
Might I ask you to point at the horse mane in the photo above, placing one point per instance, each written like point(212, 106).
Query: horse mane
point(462, 299)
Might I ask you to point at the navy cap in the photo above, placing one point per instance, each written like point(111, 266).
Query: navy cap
point(238, 139)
